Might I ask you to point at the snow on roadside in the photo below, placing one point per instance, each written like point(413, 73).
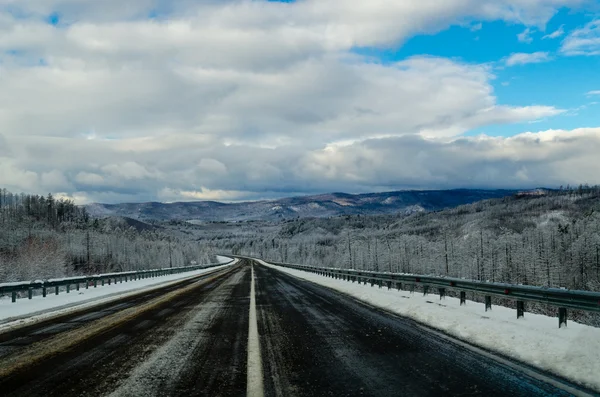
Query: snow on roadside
point(572, 352)
point(223, 259)
point(30, 310)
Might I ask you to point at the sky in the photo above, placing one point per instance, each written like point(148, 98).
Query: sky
point(179, 100)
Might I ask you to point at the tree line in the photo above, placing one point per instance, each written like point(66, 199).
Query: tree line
point(43, 237)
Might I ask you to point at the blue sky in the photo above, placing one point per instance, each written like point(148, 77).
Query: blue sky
point(562, 81)
point(248, 99)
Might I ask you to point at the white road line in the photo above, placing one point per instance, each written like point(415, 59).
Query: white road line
point(255, 370)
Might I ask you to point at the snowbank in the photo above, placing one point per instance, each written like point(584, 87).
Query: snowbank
point(28, 310)
point(223, 259)
point(572, 352)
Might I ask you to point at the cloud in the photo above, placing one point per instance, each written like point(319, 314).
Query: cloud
point(4, 149)
point(170, 195)
point(547, 158)
point(556, 34)
point(524, 37)
point(583, 41)
point(521, 58)
point(229, 99)
point(544, 158)
point(595, 92)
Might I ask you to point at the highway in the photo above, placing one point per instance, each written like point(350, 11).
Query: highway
point(197, 338)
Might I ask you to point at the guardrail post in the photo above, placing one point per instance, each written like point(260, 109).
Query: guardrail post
point(372, 282)
point(562, 317)
point(442, 293)
point(77, 287)
point(389, 285)
point(44, 291)
point(102, 282)
point(87, 284)
point(463, 298)
point(68, 288)
point(30, 293)
point(95, 283)
point(14, 296)
point(380, 283)
point(488, 303)
point(425, 290)
point(109, 280)
point(56, 290)
point(520, 309)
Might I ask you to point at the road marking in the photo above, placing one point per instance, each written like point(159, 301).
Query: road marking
point(254, 367)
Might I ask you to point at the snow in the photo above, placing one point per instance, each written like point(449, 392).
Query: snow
point(31, 310)
point(223, 259)
point(572, 352)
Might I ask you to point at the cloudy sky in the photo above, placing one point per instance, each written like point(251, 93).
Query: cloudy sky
point(172, 100)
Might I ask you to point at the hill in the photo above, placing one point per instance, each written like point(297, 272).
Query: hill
point(318, 206)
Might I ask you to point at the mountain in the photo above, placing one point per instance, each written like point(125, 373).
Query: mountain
point(324, 205)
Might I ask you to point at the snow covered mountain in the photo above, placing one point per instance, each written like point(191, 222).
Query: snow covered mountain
point(324, 205)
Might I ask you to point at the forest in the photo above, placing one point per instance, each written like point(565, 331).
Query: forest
point(548, 238)
point(44, 237)
point(544, 238)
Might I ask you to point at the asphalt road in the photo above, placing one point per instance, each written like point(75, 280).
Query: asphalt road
point(193, 340)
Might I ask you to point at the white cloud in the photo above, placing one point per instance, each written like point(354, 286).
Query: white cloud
point(87, 178)
point(525, 36)
point(556, 34)
point(54, 181)
point(228, 98)
point(591, 93)
point(128, 171)
point(521, 58)
point(547, 158)
point(170, 195)
point(583, 41)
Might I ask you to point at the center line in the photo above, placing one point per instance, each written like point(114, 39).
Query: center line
point(254, 367)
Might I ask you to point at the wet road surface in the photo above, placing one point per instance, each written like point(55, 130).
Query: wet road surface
point(192, 340)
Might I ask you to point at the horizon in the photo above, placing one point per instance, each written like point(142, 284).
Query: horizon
point(319, 194)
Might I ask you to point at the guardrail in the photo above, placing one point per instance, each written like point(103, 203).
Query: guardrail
point(92, 281)
point(562, 298)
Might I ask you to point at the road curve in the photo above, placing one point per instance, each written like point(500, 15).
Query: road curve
point(193, 340)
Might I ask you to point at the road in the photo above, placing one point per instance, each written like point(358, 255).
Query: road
point(194, 340)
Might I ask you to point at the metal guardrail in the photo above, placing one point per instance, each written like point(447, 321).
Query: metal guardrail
point(92, 281)
point(562, 298)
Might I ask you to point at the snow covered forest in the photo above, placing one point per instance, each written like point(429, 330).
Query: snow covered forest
point(544, 238)
point(44, 237)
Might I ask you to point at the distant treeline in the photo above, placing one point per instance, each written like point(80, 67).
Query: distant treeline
point(44, 237)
